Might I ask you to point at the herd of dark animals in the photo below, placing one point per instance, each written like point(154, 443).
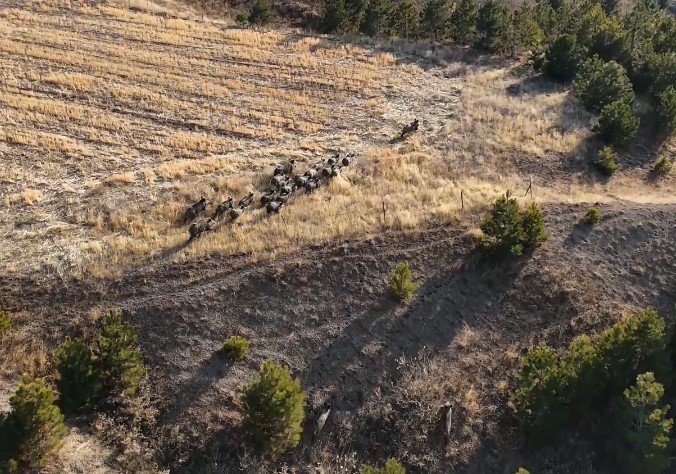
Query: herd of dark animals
point(282, 185)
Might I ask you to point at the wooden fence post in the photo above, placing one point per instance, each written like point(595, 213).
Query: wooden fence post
point(462, 200)
point(384, 218)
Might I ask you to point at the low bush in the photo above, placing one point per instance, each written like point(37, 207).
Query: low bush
point(33, 430)
point(401, 282)
point(392, 466)
point(662, 166)
point(78, 382)
point(273, 408)
point(617, 124)
point(606, 161)
point(592, 216)
point(236, 348)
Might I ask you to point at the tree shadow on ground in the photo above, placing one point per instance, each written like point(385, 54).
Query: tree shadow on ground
point(578, 234)
point(535, 84)
point(210, 370)
point(366, 356)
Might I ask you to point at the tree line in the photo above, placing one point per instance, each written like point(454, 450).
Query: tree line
point(610, 388)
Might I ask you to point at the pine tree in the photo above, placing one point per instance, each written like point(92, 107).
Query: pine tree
point(606, 161)
point(646, 427)
point(273, 408)
point(493, 26)
point(78, 382)
point(34, 428)
point(666, 111)
point(525, 32)
point(435, 19)
point(617, 124)
point(588, 379)
point(335, 17)
point(376, 18)
point(533, 225)
point(542, 393)
point(118, 362)
point(502, 229)
point(261, 13)
point(563, 58)
point(463, 21)
point(600, 83)
point(401, 283)
point(404, 20)
point(631, 347)
point(608, 38)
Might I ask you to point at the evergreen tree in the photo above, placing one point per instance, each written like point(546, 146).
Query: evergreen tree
point(608, 39)
point(631, 347)
point(376, 18)
point(273, 408)
point(404, 20)
point(533, 225)
point(493, 26)
point(502, 229)
point(606, 161)
point(401, 282)
point(435, 19)
point(587, 372)
point(646, 427)
point(617, 124)
point(666, 111)
point(542, 394)
point(600, 83)
point(525, 33)
point(261, 13)
point(78, 382)
point(563, 58)
point(118, 362)
point(335, 17)
point(34, 428)
point(463, 21)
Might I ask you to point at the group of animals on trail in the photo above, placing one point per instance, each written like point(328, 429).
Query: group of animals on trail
point(282, 185)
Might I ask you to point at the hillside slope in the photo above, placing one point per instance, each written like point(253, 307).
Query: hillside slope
point(386, 370)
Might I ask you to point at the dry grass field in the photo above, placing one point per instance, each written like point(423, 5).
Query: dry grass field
point(118, 114)
point(115, 119)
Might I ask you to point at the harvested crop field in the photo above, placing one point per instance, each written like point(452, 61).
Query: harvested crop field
point(117, 119)
point(117, 115)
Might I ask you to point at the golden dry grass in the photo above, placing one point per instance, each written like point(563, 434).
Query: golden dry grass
point(117, 118)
